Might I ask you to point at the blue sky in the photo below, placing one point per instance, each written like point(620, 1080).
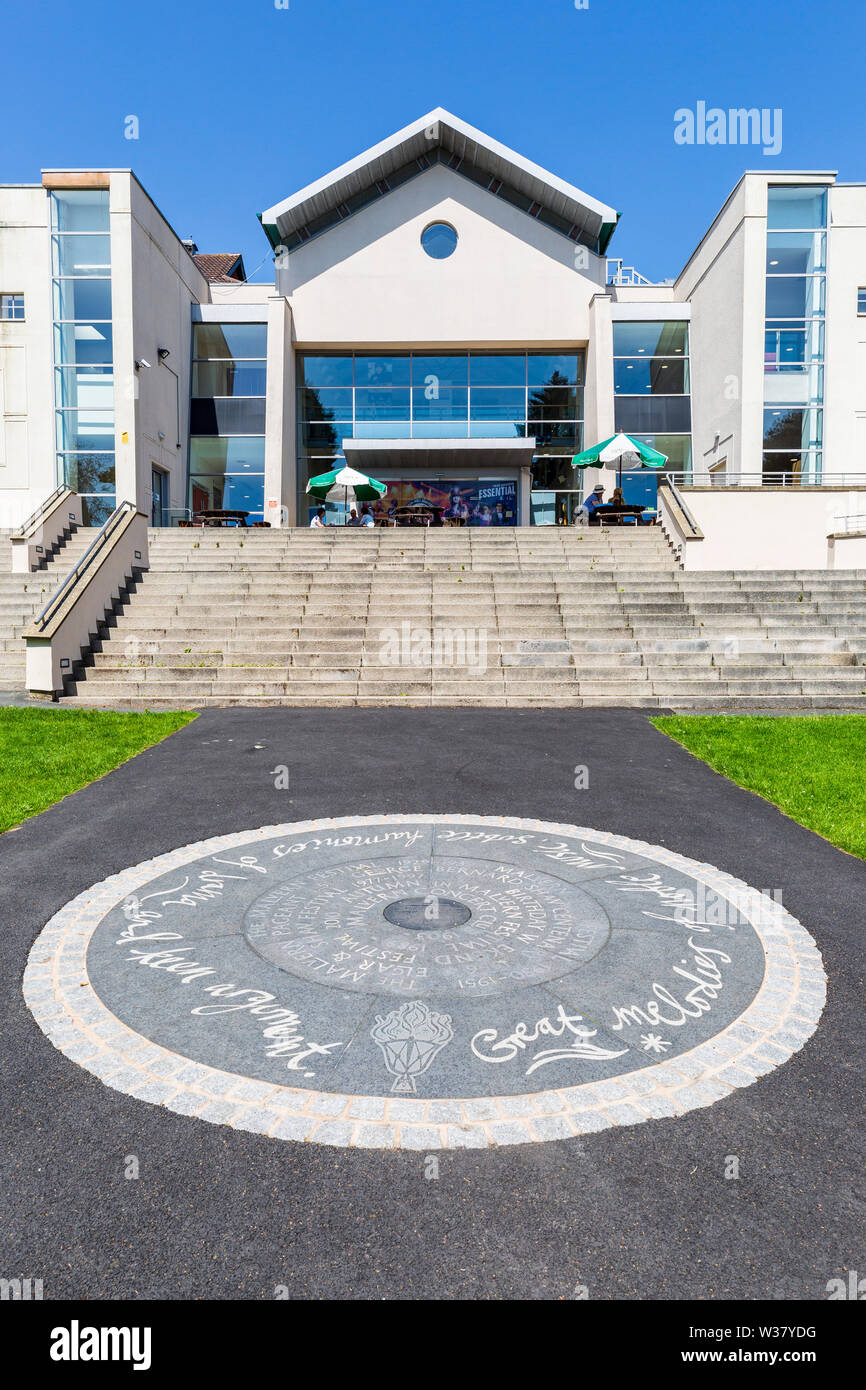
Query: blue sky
point(239, 104)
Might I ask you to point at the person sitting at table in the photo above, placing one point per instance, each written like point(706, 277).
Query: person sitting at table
point(592, 502)
point(366, 517)
point(617, 500)
point(318, 520)
point(354, 519)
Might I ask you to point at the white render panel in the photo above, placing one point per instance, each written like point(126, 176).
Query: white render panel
point(511, 280)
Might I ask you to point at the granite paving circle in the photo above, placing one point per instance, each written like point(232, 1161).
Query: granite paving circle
point(425, 981)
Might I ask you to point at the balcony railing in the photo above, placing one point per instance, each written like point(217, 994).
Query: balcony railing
point(687, 478)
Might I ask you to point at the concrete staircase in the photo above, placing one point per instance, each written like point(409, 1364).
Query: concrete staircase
point(533, 617)
point(22, 596)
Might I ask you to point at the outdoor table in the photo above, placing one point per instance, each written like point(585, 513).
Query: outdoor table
point(616, 514)
point(222, 516)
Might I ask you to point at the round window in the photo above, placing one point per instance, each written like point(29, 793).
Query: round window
point(439, 240)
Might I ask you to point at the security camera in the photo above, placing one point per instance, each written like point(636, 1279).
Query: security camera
point(142, 362)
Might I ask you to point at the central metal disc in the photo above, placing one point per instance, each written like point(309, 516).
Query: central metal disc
point(429, 913)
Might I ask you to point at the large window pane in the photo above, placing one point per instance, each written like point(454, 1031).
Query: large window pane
point(325, 403)
point(230, 340)
point(557, 369)
point(662, 377)
point(560, 436)
point(792, 428)
point(787, 345)
point(555, 403)
point(676, 447)
point(497, 429)
point(557, 475)
point(652, 414)
point(80, 210)
point(243, 415)
point(795, 253)
point(229, 379)
point(227, 455)
point(383, 429)
point(792, 468)
point(440, 403)
point(229, 491)
point(95, 511)
point(796, 207)
point(489, 370)
point(794, 296)
point(440, 429)
point(81, 431)
point(86, 387)
point(650, 339)
point(326, 371)
point(382, 405)
point(83, 343)
point(440, 371)
point(497, 403)
point(82, 299)
point(91, 472)
point(382, 371)
point(326, 434)
point(81, 255)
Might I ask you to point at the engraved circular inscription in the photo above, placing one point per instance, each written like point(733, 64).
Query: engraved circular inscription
point(427, 914)
point(425, 981)
point(511, 926)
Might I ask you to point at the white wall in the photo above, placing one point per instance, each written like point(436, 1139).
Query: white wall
point(511, 281)
point(27, 451)
point(154, 283)
point(769, 528)
point(845, 373)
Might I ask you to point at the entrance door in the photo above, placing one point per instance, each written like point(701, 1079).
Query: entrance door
point(158, 497)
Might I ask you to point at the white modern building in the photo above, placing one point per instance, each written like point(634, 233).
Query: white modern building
point(445, 315)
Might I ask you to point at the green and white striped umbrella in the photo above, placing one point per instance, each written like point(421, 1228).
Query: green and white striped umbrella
point(612, 451)
point(336, 486)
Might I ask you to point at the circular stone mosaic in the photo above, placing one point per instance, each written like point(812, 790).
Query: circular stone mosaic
point(425, 981)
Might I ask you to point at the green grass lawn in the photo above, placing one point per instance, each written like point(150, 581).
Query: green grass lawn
point(812, 768)
point(46, 754)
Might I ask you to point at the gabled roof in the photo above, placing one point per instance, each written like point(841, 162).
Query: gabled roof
point(220, 267)
point(439, 137)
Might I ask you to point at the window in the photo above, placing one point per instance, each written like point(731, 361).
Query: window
point(11, 306)
point(83, 348)
point(794, 332)
point(227, 417)
point(451, 395)
point(439, 240)
point(651, 384)
point(861, 301)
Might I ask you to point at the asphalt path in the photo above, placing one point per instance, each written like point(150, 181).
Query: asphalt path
point(644, 1212)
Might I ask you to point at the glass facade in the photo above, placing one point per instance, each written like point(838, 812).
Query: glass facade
point(227, 417)
point(794, 333)
point(652, 390)
point(83, 349)
point(440, 396)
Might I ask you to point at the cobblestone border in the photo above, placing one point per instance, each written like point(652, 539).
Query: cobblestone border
point(782, 1017)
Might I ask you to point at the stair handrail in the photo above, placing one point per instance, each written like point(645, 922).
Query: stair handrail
point(40, 512)
point(60, 595)
point(680, 501)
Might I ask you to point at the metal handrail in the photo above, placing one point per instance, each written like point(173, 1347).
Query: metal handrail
point(40, 511)
point(858, 517)
point(678, 498)
point(59, 597)
point(686, 478)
